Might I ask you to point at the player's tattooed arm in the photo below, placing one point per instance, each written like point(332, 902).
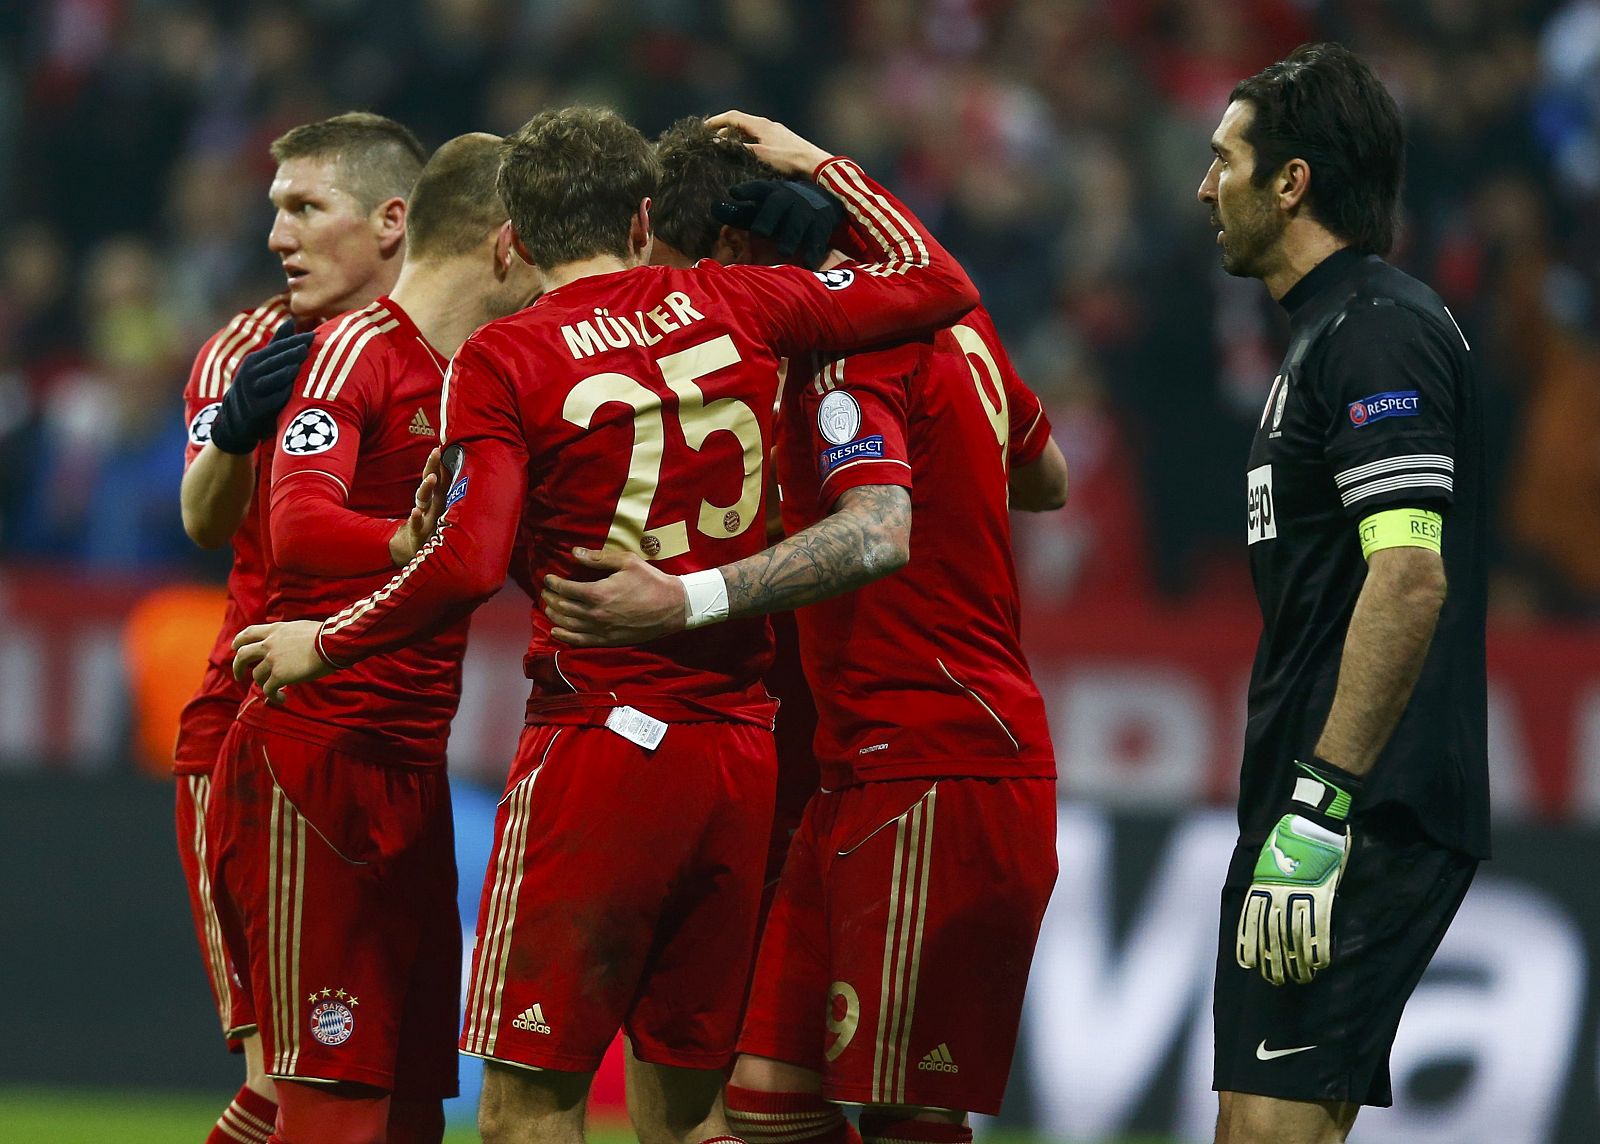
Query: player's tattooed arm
point(866, 537)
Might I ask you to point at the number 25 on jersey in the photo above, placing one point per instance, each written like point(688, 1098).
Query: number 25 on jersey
point(631, 528)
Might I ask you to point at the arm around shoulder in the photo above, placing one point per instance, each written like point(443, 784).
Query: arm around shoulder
point(866, 537)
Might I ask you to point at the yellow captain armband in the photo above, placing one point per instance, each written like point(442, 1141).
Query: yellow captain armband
point(1401, 528)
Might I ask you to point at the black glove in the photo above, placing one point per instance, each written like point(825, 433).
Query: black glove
point(261, 388)
point(799, 217)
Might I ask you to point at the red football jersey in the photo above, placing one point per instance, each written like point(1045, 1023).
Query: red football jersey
point(920, 674)
point(207, 717)
point(633, 410)
point(351, 446)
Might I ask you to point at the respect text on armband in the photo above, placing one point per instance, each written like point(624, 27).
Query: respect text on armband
point(864, 449)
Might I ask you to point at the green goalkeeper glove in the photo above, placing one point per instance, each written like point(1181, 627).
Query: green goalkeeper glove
point(1286, 926)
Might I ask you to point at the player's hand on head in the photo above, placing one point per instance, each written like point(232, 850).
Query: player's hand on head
point(799, 217)
point(423, 522)
point(261, 388)
point(278, 655)
point(773, 143)
point(635, 603)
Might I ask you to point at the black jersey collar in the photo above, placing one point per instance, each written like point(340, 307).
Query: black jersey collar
point(1325, 273)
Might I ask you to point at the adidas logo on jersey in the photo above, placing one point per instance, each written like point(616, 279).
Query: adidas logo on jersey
point(421, 426)
point(531, 1020)
point(938, 1060)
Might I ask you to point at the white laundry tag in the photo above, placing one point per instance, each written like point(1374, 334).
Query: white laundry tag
point(637, 727)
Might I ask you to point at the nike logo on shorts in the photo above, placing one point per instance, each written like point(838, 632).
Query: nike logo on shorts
point(1265, 1054)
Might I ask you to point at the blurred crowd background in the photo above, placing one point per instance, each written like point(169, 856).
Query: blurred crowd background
point(1054, 144)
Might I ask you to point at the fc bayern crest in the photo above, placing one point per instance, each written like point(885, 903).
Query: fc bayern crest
point(332, 1022)
point(312, 431)
point(200, 427)
point(838, 417)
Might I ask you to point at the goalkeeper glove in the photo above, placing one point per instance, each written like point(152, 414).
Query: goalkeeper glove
point(799, 217)
point(1286, 926)
point(260, 389)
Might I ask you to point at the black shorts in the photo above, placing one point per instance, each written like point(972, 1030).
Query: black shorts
point(1330, 1040)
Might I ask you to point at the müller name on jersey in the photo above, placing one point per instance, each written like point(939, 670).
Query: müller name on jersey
point(618, 331)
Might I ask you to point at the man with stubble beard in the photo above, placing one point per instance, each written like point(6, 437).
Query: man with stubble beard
point(1363, 803)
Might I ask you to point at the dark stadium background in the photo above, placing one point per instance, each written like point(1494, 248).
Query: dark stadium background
point(1055, 146)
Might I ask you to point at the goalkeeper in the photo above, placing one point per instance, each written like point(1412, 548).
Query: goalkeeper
point(1363, 802)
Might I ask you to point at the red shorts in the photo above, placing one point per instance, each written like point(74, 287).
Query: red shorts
point(232, 998)
point(621, 893)
point(897, 952)
point(335, 880)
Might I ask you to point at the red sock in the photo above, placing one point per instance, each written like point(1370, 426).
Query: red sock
point(330, 1114)
point(881, 1128)
point(247, 1120)
point(786, 1117)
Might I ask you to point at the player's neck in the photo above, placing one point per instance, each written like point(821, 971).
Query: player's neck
point(445, 299)
point(569, 272)
point(1305, 244)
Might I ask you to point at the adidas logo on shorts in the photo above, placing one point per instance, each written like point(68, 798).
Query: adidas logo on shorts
point(531, 1020)
point(938, 1060)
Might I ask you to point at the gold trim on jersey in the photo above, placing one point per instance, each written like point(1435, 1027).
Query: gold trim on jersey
point(335, 624)
point(907, 248)
point(342, 350)
point(982, 702)
point(857, 201)
point(236, 340)
point(830, 376)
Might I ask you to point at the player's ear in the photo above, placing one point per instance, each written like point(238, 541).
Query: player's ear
point(522, 251)
point(1293, 182)
point(505, 252)
point(389, 225)
point(639, 233)
point(733, 247)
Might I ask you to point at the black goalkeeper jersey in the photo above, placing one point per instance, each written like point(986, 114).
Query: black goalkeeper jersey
point(1375, 407)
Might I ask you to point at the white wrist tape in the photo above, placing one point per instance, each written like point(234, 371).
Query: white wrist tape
point(708, 598)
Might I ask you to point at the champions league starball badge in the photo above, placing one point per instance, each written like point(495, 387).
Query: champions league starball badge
point(312, 431)
point(200, 427)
